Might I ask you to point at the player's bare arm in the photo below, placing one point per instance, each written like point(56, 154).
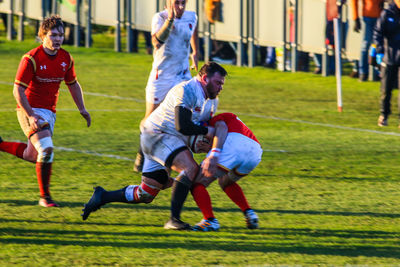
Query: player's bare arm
point(160, 37)
point(76, 92)
point(209, 165)
point(22, 101)
point(194, 42)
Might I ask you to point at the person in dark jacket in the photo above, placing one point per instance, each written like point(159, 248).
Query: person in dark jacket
point(387, 40)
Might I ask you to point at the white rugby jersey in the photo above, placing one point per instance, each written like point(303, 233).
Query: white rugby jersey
point(187, 94)
point(172, 58)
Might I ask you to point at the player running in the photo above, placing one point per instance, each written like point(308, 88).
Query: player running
point(234, 154)
point(165, 135)
point(174, 31)
point(36, 90)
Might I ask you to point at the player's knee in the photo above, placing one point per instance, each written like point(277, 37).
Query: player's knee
point(143, 193)
point(44, 148)
point(192, 172)
point(160, 176)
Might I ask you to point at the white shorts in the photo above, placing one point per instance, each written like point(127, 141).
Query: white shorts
point(159, 85)
point(157, 149)
point(239, 155)
point(47, 115)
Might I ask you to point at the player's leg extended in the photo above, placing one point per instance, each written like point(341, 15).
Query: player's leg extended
point(229, 184)
point(43, 144)
point(143, 193)
point(14, 148)
point(182, 162)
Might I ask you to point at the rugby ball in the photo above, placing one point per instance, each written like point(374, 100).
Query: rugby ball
point(194, 140)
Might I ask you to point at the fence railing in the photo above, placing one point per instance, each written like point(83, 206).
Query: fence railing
point(295, 25)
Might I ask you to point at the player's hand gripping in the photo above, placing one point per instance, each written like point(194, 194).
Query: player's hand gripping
point(209, 166)
point(34, 122)
point(86, 116)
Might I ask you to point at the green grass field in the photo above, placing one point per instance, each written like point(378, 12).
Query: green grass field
point(327, 190)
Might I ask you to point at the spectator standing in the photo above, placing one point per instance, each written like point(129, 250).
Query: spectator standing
point(147, 38)
point(386, 37)
point(371, 10)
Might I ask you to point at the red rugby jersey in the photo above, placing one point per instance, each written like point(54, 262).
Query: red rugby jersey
point(235, 125)
point(42, 74)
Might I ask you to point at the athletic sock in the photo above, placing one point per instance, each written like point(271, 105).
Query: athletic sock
point(115, 196)
point(203, 200)
point(235, 193)
point(14, 148)
point(43, 172)
point(178, 197)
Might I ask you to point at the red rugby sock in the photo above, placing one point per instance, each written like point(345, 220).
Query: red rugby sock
point(14, 148)
point(235, 193)
point(43, 172)
point(203, 200)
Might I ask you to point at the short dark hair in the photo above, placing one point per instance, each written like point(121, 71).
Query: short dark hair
point(211, 68)
point(48, 24)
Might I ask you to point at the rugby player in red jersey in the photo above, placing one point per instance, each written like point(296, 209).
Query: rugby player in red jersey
point(235, 152)
point(36, 90)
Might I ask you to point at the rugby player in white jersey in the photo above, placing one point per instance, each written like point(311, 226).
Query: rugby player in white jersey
point(173, 31)
point(164, 139)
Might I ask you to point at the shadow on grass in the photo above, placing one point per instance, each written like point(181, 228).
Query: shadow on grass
point(277, 240)
point(154, 206)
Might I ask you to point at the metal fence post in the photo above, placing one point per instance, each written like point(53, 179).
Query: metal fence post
point(53, 7)
point(207, 42)
point(88, 36)
point(10, 21)
point(294, 42)
point(239, 53)
point(129, 35)
point(117, 45)
point(284, 50)
point(77, 37)
point(21, 33)
point(250, 42)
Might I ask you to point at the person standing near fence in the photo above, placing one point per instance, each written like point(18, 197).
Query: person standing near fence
point(173, 31)
point(371, 10)
point(36, 90)
point(387, 40)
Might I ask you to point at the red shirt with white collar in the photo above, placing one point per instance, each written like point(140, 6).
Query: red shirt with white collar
point(42, 74)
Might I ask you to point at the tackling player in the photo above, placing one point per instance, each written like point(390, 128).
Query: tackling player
point(36, 90)
point(234, 154)
point(164, 138)
point(174, 31)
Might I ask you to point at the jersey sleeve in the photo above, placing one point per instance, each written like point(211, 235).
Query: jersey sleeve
point(70, 75)
point(156, 23)
point(26, 71)
point(185, 98)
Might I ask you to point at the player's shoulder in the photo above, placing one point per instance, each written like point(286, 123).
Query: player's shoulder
point(161, 15)
point(189, 15)
point(34, 52)
point(227, 115)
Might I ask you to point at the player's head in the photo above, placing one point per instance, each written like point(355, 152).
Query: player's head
point(212, 76)
point(51, 32)
point(179, 7)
